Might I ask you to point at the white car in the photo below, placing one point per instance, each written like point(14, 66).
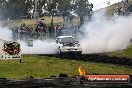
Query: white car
point(67, 44)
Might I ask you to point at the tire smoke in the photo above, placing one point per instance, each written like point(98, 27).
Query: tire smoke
point(5, 33)
point(103, 35)
point(39, 47)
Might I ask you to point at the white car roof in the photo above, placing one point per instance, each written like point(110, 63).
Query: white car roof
point(65, 36)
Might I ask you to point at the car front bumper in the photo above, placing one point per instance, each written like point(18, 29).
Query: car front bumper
point(71, 49)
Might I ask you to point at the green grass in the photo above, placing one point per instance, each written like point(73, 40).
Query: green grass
point(122, 53)
point(43, 66)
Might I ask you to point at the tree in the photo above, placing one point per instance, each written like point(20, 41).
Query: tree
point(14, 9)
point(52, 7)
point(82, 7)
point(3, 10)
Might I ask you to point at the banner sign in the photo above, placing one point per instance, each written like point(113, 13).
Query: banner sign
point(10, 50)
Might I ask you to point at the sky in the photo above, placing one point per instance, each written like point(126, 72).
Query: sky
point(102, 3)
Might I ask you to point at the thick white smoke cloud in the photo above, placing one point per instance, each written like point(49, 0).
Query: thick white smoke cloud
point(39, 47)
point(5, 33)
point(103, 35)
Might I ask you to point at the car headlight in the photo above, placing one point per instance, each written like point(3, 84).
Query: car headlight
point(78, 45)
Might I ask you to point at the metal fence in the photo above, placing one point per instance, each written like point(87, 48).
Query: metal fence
point(42, 35)
point(35, 36)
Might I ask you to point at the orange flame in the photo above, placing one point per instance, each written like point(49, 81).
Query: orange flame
point(81, 70)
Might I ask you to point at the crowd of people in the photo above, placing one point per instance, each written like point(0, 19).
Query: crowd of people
point(41, 29)
point(125, 9)
point(119, 11)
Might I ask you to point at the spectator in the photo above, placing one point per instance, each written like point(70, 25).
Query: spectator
point(30, 32)
point(44, 28)
point(50, 31)
point(52, 24)
point(58, 30)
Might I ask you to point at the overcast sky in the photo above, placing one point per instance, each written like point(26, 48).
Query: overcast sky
point(102, 3)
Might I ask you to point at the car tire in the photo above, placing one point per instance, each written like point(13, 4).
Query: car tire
point(79, 53)
point(60, 52)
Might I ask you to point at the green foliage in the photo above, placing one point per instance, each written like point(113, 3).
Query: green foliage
point(15, 9)
point(82, 7)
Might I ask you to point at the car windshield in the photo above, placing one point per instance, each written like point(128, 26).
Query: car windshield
point(67, 39)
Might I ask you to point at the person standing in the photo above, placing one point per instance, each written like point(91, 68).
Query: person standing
point(58, 30)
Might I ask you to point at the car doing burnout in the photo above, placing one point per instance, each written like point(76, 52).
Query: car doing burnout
point(67, 44)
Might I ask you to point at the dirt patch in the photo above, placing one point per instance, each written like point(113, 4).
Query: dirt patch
point(97, 58)
point(56, 83)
